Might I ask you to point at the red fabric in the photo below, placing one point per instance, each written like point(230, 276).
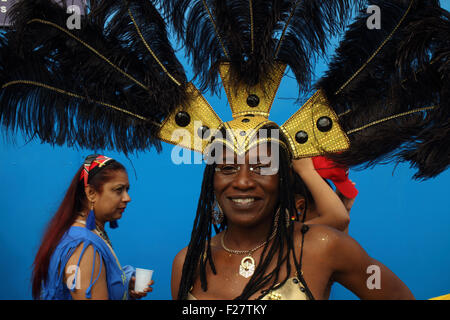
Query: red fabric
point(99, 160)
point(337, 174)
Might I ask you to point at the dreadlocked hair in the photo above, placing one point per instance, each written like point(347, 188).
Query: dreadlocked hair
point(281, 247)
point(201, 235)
point(300, 189)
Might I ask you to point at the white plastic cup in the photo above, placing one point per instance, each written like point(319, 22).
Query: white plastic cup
point(143, 277)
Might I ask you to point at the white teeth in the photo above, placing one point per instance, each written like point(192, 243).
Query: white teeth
point(243, 201)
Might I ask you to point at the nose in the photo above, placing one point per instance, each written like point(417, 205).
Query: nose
point(243, 179)
point(126, 197)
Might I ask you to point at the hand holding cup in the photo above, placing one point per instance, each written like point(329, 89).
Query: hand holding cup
point(141, 284)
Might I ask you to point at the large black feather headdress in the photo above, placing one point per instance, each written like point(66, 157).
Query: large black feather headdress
point(254, 34)
point(389, 87)
point(116, 82)
point(107, 85)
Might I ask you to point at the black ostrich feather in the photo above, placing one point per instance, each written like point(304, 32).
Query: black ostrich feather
point(253, 34)
point(430, 152)
point(104, 86)
point(389, 87)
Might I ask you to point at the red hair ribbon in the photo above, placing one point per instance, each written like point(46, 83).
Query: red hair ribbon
point(90, 163)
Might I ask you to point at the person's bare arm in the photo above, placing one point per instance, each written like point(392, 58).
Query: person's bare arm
point(363, 275)
point(177, 270)
point(348, 204)
point(328, 205)
point(99, 290)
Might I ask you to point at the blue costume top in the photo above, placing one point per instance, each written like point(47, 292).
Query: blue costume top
point(117, 278)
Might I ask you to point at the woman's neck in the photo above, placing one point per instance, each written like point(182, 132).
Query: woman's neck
point(100, 225)
point(82, 217)
point(239, 238)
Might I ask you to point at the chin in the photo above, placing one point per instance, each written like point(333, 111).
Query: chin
point(115, 217)
point(244, 219)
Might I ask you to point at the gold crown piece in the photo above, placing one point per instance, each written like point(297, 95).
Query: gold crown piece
point(243, 133)
point(256, 100)
point(314, 129)
point(191, 126)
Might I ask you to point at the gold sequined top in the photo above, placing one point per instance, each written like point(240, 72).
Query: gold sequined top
point(292, 289)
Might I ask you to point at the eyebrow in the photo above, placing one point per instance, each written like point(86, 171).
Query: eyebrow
point(122, 185)
point(260, 160)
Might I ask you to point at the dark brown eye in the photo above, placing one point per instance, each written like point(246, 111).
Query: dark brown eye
point(227, 169)
point(265, 169)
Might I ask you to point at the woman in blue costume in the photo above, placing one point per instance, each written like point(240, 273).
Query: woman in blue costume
point(76, 259)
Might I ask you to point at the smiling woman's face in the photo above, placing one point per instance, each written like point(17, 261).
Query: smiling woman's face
point(246, 196)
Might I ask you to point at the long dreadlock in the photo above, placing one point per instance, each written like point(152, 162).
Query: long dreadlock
point(281, 249)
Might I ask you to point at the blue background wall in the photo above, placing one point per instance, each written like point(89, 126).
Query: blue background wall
point(401, 222)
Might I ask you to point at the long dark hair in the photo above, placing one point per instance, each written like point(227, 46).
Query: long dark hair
point(199, 249)
point(72, 203)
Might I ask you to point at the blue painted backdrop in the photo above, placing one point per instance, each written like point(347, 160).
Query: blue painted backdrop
point(401, 222)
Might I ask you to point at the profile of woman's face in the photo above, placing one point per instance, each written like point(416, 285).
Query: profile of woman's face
point(112, 199)
point(245, 191)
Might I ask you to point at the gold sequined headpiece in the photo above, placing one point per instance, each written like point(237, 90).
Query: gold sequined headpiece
point(313, 130)
point(121, 68)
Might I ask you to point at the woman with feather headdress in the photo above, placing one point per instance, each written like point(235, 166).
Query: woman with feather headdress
point(253, 205)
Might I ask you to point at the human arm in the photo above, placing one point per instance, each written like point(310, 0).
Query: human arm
point(177, 270)
point(328, 205)
point(368, 278)
point(90, 268)
point(348, 204)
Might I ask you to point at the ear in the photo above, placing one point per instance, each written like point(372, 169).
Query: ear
point(91, 194)
point(300, 204)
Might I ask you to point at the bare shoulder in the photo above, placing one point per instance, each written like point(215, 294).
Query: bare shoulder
point(177, 271)
point(87, 262)
point(338, 249)
point(348, 262)
point(318, 235)
point(87, 257)
point(328, 242)
point(178, 261)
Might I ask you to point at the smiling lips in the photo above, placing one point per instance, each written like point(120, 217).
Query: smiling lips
point(243, 201)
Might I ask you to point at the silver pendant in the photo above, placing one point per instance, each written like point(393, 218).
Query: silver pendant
point(247, 267)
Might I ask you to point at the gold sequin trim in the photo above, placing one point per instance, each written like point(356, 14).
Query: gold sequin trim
point(74, 95)
point(294, 7)
point(390, 118)
point(376, 51)
point(215, 30)
point(305, 119)
point(151, 51)
point(90, 48)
